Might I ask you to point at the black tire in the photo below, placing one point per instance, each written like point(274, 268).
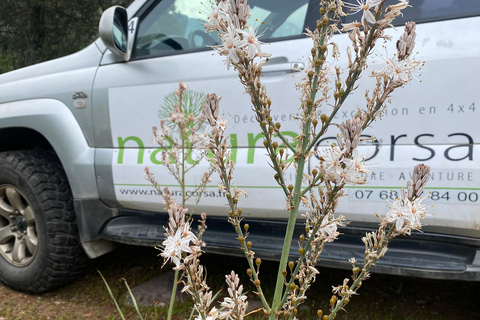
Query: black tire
point(39, 243)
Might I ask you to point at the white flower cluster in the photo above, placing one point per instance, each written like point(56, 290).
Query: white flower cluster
point(340, 169)
point(239, 41)
point(236, 304)
point(406, 214)
point(341, 163)
point(179, 236)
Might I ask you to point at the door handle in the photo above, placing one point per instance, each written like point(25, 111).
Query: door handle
point(282, 65)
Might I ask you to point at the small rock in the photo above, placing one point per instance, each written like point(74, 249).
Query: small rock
point(156, 291)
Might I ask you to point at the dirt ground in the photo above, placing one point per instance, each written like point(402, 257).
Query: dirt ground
point(381, 297)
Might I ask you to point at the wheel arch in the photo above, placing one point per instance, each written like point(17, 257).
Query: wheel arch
point(49, 124)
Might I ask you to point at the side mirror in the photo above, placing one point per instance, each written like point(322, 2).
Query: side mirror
point(113, 29)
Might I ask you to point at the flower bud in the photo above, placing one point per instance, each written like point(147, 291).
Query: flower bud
point(293, 286)
point(314, 172)
point(284, 273)
point(290, 187)
point(314, 122)
point(319, 313)
point(276, 176)
point(302, 238)
point(249, 244)
point(246, 226)
point(301, 250)
point(258, 262)
point(291, 264)
point(239, 211)
point(257, 283)
point(249, 272)
point(325, 317)
point(310, 74)
point(278, 125)
point(265, 143)
point(241, 239)
point(323, 117)
point(275, 144)
point(281, 152)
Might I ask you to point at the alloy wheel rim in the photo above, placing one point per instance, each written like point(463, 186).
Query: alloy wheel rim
point(18, 234)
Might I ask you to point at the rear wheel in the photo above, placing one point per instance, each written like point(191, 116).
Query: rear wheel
point(39, 244)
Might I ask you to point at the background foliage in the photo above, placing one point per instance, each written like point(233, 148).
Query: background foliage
point(32, 31)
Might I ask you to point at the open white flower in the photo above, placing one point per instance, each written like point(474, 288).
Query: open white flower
point(250, 42)
point(176, 244)
point(231, 42)
point(365, 6)
point(399, 214)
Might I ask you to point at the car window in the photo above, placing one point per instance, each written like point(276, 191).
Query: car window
point(175, 25)
point(430, 10)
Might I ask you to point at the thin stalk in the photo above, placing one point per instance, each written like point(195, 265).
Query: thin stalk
point(288, 238)
point(285, 141)
point(300, 155)
point(182, 186)
point(366, 267)
point(307, 248)
point(174, 294)
point(239, 232)
point(353, 77)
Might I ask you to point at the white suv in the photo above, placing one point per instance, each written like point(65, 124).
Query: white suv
point(75, 137)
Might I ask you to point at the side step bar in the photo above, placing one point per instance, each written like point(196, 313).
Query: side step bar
point(423, 255)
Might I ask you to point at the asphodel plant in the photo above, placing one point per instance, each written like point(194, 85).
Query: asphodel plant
point(324, 91)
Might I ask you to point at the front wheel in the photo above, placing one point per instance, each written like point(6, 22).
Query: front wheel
point(39, 244)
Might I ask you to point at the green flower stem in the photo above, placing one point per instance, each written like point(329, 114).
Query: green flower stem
point(285, 141)
point(352, 79)
point(182, 186)
point(288, 240)
point(300, 155)
point(269, 147)
point(361, 276)
point(377, 107)
point(307, 247)
point(312, 184)
point(174, 294)
point(238, 230)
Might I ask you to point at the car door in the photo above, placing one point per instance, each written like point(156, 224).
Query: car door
point(170, 46)
point(432, 120)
